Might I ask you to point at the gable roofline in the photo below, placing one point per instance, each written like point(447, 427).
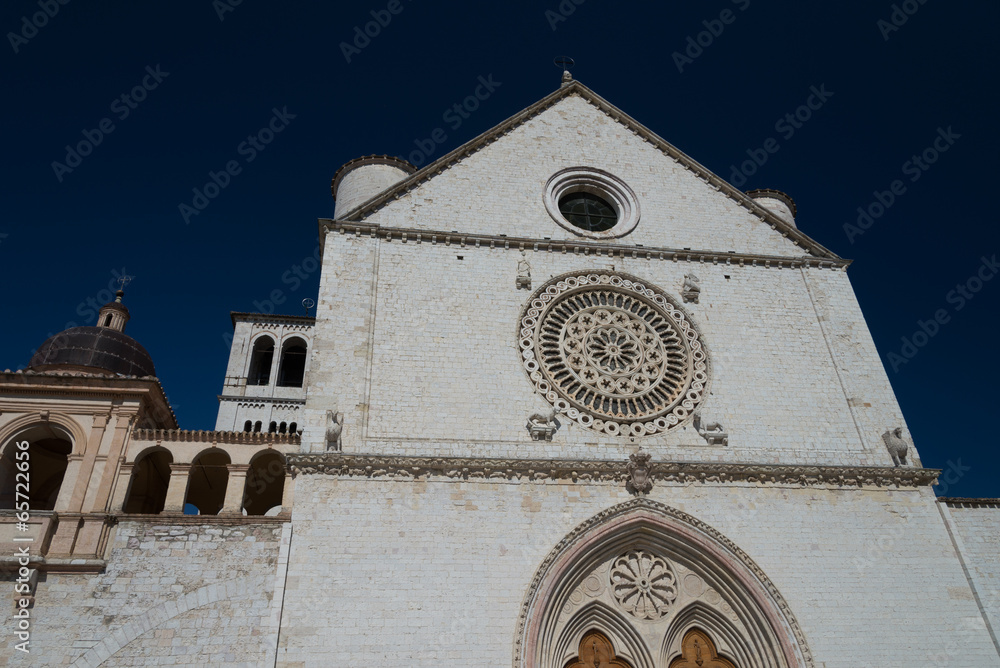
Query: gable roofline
point(790, 232)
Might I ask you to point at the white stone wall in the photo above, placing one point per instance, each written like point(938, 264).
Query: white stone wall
point(426, 359)
point(416, 342)
point(171, 595)
point(433, 573)
point(976, 531)
point(498, 189)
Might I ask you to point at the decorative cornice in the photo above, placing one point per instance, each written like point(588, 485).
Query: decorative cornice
point(578, 89)
point(56, 383)
point(962, 502)
point(253, 400)
point(242, 316)
point(457, 468)
point(224, 437)
point(575, 246)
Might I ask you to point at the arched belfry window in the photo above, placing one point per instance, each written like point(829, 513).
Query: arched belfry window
point(293, 363)
point(643, 585)
point(260, 361)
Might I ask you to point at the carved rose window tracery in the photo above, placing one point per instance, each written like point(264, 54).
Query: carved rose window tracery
point(643, 584)
point(613, 354)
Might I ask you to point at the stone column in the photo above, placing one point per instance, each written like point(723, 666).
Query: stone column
point(121, 487)
point(64, 502)
point(99, 504)
point(177, 489)
point(287, 494)
point(80, 480)
point(233, 504)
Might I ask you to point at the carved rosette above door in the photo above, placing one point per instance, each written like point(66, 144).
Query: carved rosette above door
point(613, 354)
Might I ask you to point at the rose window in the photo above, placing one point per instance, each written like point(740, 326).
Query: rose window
point(613, 354)
point(643, 584)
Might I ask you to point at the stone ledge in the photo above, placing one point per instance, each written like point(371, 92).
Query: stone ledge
point(540, 470)
point(576, 246)
point(200, 436)
point(962, 502)
point(177, 519)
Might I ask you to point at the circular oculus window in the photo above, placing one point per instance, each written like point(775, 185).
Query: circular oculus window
point(591, 203)
point(613, 354)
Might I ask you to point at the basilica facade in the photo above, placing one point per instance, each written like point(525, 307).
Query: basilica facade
point(568, 399)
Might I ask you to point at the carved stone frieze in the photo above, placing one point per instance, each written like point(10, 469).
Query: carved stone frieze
point(379, 466)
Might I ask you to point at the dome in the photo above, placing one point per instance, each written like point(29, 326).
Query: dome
point(101, 349)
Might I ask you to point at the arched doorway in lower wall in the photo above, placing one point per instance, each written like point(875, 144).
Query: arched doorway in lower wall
point(661, 589)
point(47, 454)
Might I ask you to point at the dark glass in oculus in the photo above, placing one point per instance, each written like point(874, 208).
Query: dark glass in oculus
point(588, 212)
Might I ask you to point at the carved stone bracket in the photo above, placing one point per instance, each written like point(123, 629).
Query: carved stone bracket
point(587, 471)
point(542, 425)
point(523, 280)
point(691, 289)
point(712, 432)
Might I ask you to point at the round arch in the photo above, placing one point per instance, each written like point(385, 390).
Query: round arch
point(49, 446)
point(75, 433)
point(265, 483)
point(150, 479)
point(718, 588)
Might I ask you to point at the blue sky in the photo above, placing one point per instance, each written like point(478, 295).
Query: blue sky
point(902, 126)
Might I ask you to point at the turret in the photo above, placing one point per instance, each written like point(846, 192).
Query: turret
point(776, 202)
point(362, 179)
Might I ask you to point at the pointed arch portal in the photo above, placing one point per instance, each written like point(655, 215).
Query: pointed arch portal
point(644, 585)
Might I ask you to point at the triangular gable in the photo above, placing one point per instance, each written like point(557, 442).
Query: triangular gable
point(576, 88)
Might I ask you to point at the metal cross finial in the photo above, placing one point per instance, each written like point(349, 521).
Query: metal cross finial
point(124, 279)
point(307, 304)
point(565, 62)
